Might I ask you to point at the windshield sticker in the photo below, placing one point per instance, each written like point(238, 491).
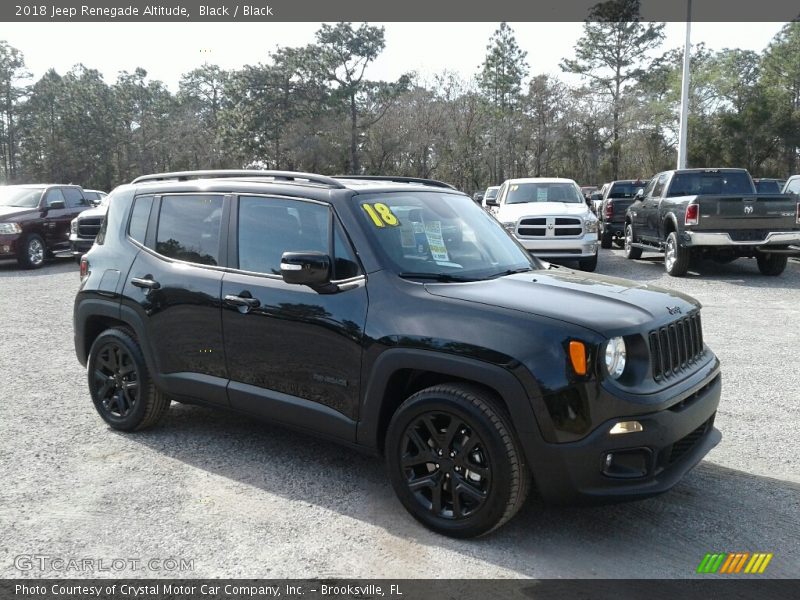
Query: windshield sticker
point(433, 232)
point(381, 215)
point(541, 194)
point(514, 188)
point(407, 236)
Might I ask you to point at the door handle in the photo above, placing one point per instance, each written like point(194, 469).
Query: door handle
point(242, 301)
point(145, 283)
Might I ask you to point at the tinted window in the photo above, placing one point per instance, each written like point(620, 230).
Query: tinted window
point(648, 191)
point(491, 193)
point(268, 227)
point(91, 195)
point(55, 195)
point(519, 193)
point(692, 184)
point(140, 214)
point(345, 263)
point(188, 228)
point(75, 198)
point(768, 187)
point(625, 189)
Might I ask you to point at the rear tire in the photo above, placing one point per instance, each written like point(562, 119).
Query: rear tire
point(772, 264)
point(120, 384)
point(606, 239)
point(631, 252)
point(455, 462)
point(676, 257)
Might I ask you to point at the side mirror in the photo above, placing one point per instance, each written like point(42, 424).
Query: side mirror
point(639, 194)
point(492, 202)
point(56, 205)
point(306, 268)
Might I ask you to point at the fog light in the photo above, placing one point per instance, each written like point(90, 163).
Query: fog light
point(626, 427)
point(627, 464)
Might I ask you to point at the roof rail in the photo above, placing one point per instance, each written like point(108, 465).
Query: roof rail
point(432, 182)
point(243, 173)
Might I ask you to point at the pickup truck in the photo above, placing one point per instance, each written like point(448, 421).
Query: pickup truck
point(614, 205)
point(712, 213)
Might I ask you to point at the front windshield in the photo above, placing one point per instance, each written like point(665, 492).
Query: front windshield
point(439, 235)
point(22, 197)
point(521, 193)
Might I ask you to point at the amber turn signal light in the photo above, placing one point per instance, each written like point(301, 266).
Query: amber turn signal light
point(577, 356)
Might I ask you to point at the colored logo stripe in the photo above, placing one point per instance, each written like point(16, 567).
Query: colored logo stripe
point(733, 562)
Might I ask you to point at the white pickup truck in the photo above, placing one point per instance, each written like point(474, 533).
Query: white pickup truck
point(550, 218)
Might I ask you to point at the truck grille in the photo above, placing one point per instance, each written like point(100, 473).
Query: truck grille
point(676, 346)
point(89, 226)
point(550, 227)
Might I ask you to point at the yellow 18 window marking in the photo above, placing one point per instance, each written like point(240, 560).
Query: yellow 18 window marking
point(381, 214)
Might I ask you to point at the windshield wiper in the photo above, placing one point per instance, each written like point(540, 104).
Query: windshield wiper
point(443, 277)
point(510, 272)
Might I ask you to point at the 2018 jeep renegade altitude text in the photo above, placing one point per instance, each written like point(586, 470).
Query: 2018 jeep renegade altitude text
point(395, 315)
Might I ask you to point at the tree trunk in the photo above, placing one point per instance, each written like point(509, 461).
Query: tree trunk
point(355, 168)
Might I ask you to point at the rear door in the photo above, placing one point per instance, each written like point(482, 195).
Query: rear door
point(294, 355)
point(173, 287)
point(645, 211)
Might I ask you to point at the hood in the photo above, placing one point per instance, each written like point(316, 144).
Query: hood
point(12, 212)
point(515, 212)
point(97, 211)
point(607, 305)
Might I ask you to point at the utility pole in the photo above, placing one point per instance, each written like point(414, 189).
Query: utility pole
point(687, 50)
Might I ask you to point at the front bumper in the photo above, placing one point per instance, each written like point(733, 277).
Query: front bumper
point(671, 443)
point(774, 238)
point(79, 245)
point(8, 244)
point(551, 247)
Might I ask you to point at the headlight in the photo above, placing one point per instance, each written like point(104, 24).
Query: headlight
point(615, 357)
point(73, 226)
point(10, 228)
point(510, 225)
point(590, 225)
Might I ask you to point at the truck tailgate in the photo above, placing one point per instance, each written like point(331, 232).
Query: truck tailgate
point(761, 212)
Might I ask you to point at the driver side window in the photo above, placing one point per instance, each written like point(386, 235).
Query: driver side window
point(54, 195)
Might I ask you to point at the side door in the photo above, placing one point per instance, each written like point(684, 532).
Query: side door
point(293, 354)
point(55, 220)
point(648, 217)
point(172, 290)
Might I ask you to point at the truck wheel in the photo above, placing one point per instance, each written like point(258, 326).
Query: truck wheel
point(772, 264)
point(588, 264)
point(121, 388)
point(32, 252)
point(631, 252)
point(619, 242)
point(455, 462)
point(676, 258)
point(606, 239)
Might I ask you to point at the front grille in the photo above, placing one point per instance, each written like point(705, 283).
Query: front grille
point(89, 227)
point(676, 346)
point(550, 227)
point(686, 443)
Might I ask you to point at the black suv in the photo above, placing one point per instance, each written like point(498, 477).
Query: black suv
point(397, 316)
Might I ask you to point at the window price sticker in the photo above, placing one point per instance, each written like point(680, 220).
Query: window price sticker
point(433, 232)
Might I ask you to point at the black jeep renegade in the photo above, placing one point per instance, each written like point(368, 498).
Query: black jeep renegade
point(395, 315)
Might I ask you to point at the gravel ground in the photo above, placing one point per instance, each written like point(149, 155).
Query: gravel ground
point(243, 499)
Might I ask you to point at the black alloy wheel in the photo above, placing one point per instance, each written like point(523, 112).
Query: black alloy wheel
point(116, 380)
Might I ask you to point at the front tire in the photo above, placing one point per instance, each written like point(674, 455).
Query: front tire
point(588, 264)
point(676, 257)
point(121, 387)
point(631, 252)
point(454, 461)
point(772, 264)
point(32, 253)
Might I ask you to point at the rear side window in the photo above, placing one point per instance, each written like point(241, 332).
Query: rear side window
point(794, 186)
point(140, 214)
point(75, 198)
point(189, 228)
